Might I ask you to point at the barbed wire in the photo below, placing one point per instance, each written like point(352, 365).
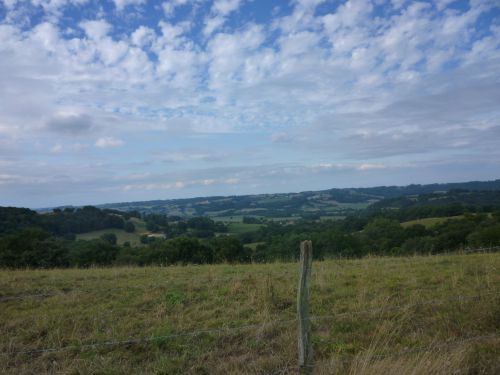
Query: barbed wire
point(165, 284)
point(131, 341)
point(239, 328)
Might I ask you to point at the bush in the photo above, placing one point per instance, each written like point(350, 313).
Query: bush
point(129, 227)
point(488, 236)
point(110, 238)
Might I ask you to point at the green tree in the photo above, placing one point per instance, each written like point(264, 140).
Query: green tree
point(110, 238)
point(381, 235)
point(129, 227)
point(483, 237)
point(229, 249)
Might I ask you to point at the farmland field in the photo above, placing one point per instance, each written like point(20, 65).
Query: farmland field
point(121, 235)
point(430, 221)
point(238, 228)
point(433, 311)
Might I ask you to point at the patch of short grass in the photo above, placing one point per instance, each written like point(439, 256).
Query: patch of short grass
point(240, 228)
point(430, 221)
point(133, 238)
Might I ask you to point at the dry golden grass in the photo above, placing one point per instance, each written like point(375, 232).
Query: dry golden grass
point(373, 316)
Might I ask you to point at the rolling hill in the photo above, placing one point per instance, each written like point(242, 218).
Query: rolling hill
point(308, 204)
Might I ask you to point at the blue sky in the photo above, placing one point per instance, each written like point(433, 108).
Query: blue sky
point(108, 101)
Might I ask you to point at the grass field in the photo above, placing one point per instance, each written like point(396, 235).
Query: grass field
point(430, 221)
point(419, 315)
point(254, 245)
point(121, 236)
point(228, 219)
point(239, 228)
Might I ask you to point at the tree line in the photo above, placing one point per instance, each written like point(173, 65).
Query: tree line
point(36, 248)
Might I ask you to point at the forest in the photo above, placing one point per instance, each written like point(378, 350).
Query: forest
point(423, 224)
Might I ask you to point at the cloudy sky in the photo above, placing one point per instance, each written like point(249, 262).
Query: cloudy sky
point(108, 101)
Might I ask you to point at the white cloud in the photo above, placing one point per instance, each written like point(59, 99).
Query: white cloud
point(121, 4)
point(366, 167)
point(59, 148)
point(221, 9)
point(190, 155)
point(358, 80)
point(107, 142)
point(232, 181)
point(170, 6)
point(143, 36)
point(212, 24)
point(224, 7)
point(56, 149)
point(69, 123)
point(96, 29)
point(281, 137)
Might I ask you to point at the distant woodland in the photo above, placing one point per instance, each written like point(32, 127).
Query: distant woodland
point(430, 222)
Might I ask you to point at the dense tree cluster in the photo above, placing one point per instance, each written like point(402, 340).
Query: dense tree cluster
point(62, 222)
point(381, 235)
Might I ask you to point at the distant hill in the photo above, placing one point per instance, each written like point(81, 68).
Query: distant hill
point(308, 204)
point(467, 198)
point(439, 204)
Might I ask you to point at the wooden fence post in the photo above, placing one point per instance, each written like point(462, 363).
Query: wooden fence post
point(304, 332)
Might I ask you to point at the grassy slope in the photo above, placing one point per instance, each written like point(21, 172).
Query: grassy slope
point(239, 228)
point(121, 303)
point(134, 238)
point(430, 221)
point(121, 235)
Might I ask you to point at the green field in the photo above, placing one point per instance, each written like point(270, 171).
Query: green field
point(134, 238)
point(254, 245)
point(229, 219)
point(121, 235)
point(239, 228)
point(418, 315)
point(326, 218)
point(430, 221)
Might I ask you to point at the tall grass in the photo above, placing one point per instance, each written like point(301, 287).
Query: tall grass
point(372, 316)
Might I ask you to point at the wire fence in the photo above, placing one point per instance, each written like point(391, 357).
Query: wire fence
point(163, 284)
point(232, 328)
point(230, 277)
point(220, 330)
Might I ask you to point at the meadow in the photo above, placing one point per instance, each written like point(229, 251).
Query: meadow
point(134, 238)
point(376, 315)
point(429, 222)
point(122, 236)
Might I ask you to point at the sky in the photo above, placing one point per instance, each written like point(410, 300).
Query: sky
point(129, 100)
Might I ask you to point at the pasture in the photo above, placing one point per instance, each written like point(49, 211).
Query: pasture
point(429, 222)
point(122, 236)
point(433, 314)
point(239, 228)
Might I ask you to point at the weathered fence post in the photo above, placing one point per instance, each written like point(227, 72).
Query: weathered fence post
point(304, 333)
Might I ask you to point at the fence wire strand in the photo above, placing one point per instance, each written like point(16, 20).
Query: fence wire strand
point(220, 330)
point(137, 287)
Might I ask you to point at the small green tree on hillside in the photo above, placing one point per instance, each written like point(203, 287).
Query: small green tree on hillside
point(129, 227)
